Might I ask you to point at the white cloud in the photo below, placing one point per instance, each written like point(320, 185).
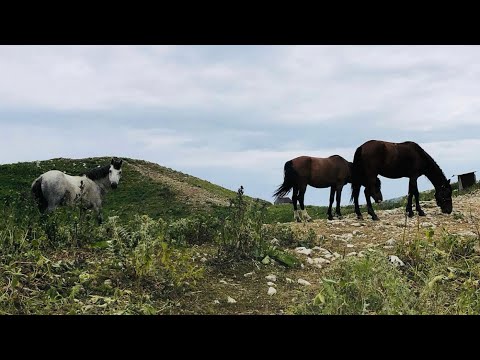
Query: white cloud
point(261, 169)
point(415, 87)
point(156, 139)
point(410, 89)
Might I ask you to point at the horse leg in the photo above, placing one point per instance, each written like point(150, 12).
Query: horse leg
point(417, 200)
point(339, 196)
point(99, 217)
point(369, 205)
point(329, 211)
point(356, 194)
point(302, 204)
point(98, 210)
point(411, 191)
point(296, 216)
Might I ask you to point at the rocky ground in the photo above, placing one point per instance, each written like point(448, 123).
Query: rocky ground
point(255, 288)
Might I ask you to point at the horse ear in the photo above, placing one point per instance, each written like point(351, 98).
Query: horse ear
point(121, 161)
point(448, 182)
point(111, 162)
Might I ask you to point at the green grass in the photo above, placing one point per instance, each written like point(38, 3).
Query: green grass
point(436, 278)
point(142, 262)
point(136, 194)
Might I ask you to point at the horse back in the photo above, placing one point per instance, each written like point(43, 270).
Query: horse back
point(322, 172)
point(57, 184)
point(392, 160)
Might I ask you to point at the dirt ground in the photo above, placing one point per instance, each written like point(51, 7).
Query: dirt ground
point(246, 283)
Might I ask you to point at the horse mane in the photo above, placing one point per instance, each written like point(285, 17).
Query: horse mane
point(432, 166)
point(97, 173)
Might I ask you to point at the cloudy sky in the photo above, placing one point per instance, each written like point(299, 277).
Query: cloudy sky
point(233, 115)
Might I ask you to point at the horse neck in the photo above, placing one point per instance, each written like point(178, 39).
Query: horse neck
point(434, 173)
point(103, 184)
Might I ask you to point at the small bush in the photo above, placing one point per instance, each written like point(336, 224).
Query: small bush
point(242, 233)
point(367, 285)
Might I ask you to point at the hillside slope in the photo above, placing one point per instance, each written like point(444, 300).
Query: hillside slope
point(145, 187)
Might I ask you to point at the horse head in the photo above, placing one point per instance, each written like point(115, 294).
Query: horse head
point(115, 172)
point(376, 192)
point(443, 197)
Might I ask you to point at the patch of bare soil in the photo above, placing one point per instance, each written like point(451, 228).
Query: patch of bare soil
point(196, 196)
point(247, 285)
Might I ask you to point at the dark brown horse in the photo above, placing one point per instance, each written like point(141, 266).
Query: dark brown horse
point(333, 172)
point(394, 161)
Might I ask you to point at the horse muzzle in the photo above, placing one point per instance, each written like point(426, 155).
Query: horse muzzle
point(114, 185)
point(378, 201)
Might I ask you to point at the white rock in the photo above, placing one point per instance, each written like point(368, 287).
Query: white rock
point(270, 283)
point(427, 224)
point(231, 300)
point(356, 224)
point(288, 280)
point(223, 282)
point(303, 250)
point(271, 277)
point(320, 260)
point(303, 282)
point(216, 302)
point(467, 233)
point(395, 260)
point(203, 259)
point(350, 245)
point(390, 242)
point(328, 256)
point(476, 248)
point(310, 260)
point(388, 247)
point(347, 237)
point(271, 291)
point(353, 253)
point(266, 260)
point(249, 274)
point(337, 255)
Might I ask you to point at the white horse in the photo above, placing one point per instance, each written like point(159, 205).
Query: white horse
point(54, 188)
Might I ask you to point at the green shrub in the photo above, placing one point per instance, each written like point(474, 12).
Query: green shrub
point(365, 285)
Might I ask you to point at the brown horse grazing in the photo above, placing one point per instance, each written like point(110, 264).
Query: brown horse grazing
point(333, 172)
point(394, 161)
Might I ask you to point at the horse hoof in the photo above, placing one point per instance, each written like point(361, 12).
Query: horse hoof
point(359, 217)
point(330, 217)
point(309, 220)
point(410, 214)
point(375, 218)
point(299, 221)
point(421, 213)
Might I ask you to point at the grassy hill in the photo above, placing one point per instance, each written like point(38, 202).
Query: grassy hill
point(145, 188)
point(159, 192)
point(156, 259)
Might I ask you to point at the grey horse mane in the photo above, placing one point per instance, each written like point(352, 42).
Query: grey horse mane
point(97, 173)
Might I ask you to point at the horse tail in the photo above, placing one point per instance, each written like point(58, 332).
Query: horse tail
point(348, 179)
point(38, 194)
point(288, 180)
point(356, 169)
